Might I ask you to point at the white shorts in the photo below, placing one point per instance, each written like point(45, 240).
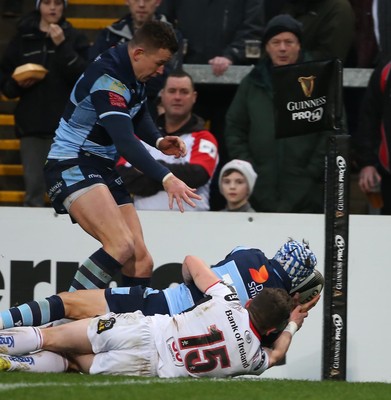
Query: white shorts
point(123, 345)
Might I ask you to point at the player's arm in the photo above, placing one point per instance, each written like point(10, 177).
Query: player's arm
point(196, 270)
point(281, 345)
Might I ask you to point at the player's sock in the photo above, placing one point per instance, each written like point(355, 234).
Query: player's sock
point(43, 361)
point(16, 341)
point(34, 313)
point(128, 281)
point(96, 272)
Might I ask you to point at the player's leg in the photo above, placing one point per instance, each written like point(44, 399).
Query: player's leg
point(42, 361)
point(98, 214)
point(138, 269)
point(33, 313)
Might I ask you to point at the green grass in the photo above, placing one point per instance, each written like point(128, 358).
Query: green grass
point(28, 386)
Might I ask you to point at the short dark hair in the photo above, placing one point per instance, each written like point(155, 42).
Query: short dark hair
point(179, 73)
point(155, 35)
point(270, 309)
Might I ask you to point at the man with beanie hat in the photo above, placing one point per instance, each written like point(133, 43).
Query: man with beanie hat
point(236, 183)
point(292, 169)
point(282, 23)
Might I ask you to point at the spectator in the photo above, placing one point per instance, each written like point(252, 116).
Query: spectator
point(381, 12)
point(236, 182)
point(215, 32)
point(292, 169)
point(328, 26)
point(162, 345)
point(123, 30)
point(372, 142)
point(105, 112)
point(196, 169)
point(364, 52)
point(44, 37)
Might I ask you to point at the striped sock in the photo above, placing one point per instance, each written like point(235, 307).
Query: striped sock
point(96, 272)
point(34, 313)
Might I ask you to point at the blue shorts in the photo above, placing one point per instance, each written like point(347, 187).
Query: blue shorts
point(64, 177)
point(129, 299)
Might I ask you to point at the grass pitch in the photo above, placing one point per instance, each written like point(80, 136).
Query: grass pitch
point(26, 386)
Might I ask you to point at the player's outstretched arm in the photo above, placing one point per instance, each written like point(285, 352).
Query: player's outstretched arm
point(283, 342)
point(178, 190)
point(196, 270)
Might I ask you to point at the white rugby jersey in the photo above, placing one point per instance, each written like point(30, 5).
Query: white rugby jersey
point(214, 339)
point(201, 149)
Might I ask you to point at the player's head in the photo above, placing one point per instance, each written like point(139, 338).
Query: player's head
point(150, 48)
point(270, 310)
point(297, 259)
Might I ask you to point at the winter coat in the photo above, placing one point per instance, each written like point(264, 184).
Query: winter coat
point(40, 106)
point(290, 171)
point(216, 27)
point(328, 26)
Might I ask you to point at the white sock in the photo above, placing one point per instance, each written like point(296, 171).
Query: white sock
point(42, 361)
point(22, 340)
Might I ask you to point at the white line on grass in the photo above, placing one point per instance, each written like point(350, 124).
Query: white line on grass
point(22, 385)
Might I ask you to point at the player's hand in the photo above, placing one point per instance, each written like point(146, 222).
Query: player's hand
point(56, 34)
point(178, 190)
point(369, 178)
point(173, 146)
point(310, 304)
point(219, 65)
point(301, 311)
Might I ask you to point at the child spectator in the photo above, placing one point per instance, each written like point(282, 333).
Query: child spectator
point(236, 182)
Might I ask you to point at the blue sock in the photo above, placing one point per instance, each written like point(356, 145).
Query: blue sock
point(96, 272)
point(34, 313)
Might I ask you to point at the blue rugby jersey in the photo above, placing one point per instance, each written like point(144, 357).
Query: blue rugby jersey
point(106, 114)
point(248, 270)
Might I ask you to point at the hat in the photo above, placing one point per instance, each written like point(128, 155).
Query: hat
point(39, 2)
point(297, 260)
point(244, 168)
point(282, 23)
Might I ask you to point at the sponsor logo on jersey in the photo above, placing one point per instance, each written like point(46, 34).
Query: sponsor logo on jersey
point(239, 339)
point(173, 350)
point(231, 297)
point(262, 359)
point(248, 336)
point(117, 100)
point(207, 147)
point(105, 325)
point(260, 275)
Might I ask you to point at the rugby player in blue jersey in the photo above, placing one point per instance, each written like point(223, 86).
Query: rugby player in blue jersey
point(248, 270)
point(104, 119)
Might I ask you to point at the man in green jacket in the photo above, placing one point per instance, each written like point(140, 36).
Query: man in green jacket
point(291, 170)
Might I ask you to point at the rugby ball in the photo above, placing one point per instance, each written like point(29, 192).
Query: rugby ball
point(310, 287)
